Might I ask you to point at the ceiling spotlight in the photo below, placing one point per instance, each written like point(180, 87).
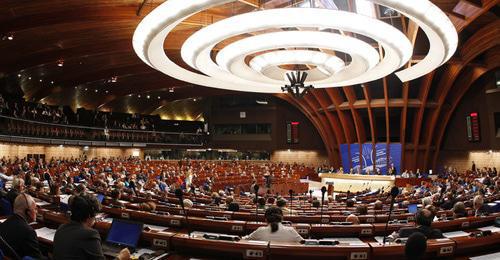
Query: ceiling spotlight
point(76, 87)
point(194, 99)
point(159, 97)
point(86, 89)
point(297, 87)
point(130, 95)
point(96, 91)
point(18, 75)
point(52, 82)
point(107, 92)
point(41, 80)
point(171, 90)
point(10, 36)
point(29, 78)
point(114, 79)
point(139, 96)
point(60, 62)
point(147, 96)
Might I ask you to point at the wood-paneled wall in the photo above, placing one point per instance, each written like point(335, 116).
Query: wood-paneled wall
point(22, 150)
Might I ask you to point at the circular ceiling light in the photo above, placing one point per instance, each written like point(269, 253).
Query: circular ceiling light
point(233, 73)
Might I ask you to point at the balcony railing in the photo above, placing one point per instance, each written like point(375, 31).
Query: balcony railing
point(12, 129)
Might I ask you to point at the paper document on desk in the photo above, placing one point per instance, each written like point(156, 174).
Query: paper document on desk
point(46, 233)
point(380, 239)
point(155, 227)
point(3, 220)
point(42, 203)
point(491, 228)
point(456, 234)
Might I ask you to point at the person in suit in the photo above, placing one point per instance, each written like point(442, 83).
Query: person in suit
point(423, 221)
point(274, 231)
point(17, 232)
point(480, 209)
point(15, 190)
point(416, 246)
point(77, 239)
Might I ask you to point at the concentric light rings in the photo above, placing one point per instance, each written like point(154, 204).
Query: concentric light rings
point(232, 57)
point(197, 48)
point(150, 35)
point(331, 64)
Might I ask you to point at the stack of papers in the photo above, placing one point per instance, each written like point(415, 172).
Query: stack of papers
point(353, 241)
point(491, 228)
point(155, 227)
point(46, 233)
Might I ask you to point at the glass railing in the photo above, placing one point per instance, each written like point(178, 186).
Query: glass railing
point(10, 126)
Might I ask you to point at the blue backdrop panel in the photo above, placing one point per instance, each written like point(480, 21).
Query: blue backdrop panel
point(355, 157)
point(381, 157)
point(367, 157)
point(395, 156)
point(346, 158)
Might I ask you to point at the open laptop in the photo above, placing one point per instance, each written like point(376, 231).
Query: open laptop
point(123, 233)
point(412, 208)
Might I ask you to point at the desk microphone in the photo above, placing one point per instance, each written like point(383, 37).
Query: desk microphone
point(179, 194)
point(290, 191)
point(394, 194)
point(323, 191)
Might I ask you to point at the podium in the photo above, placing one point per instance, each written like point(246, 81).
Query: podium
point(357, 182)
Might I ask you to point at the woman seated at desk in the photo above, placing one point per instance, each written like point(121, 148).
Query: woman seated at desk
point(274, 231)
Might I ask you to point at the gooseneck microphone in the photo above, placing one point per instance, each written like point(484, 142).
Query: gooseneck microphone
point(394, 194)
point(290, 191)
point(256, 191)
point(179, 194)
point(323, 191)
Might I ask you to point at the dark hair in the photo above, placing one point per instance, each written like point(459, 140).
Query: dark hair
point(362, 209)
point(281, 203)
point(415, 246)
point(274, 216)
point(349, 203)
point(261, 201)
point(84, 207)
point(424, 217)
point(233, 206)
point(316, 203)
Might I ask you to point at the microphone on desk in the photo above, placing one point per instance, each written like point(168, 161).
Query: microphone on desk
point(394, 194)
point(323, 191)
point(290, 191)
point(179, 194)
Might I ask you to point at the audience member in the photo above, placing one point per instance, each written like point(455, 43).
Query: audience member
point(16, 229)
point(415, 246)
point(423, 221)
point(274, 231)
point(77, 239)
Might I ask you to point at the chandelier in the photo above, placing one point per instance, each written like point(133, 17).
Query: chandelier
point(297, 88)
point(255, 63)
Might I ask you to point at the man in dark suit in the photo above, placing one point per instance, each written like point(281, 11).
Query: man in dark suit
point(16, 231)
point(423, 220)
point(77, 239)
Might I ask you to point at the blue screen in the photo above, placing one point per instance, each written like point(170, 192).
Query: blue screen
point(395, 156)
point(346, 157)
point(355, 157)
point(367, 158)
point(412, 208)
point(381, 157)
point(124, 233)
point(100, 198)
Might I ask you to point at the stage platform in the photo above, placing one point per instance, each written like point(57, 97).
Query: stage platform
point(356, 182)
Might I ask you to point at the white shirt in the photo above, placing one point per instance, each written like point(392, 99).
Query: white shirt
point(283, 234)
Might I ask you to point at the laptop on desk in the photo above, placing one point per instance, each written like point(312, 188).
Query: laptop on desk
point(123, 233)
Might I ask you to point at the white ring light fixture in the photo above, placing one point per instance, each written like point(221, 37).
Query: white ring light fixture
point(331, 64)
point(150, 35)
point(232, 57)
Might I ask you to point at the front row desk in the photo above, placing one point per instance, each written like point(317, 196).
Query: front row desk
point(355, 241)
